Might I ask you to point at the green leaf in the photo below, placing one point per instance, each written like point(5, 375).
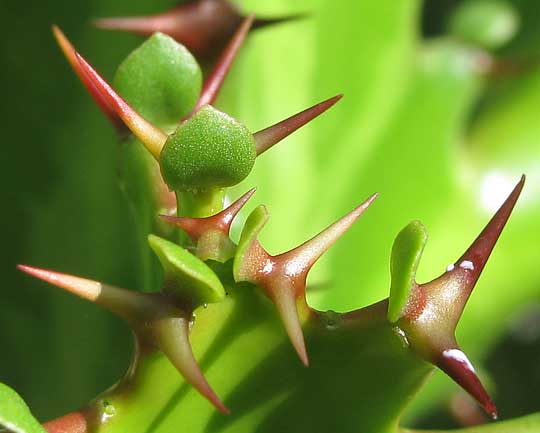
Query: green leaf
point(254, 223)
point(161, 80)
point(186, 276)
point(14, 413)
point(406, 254)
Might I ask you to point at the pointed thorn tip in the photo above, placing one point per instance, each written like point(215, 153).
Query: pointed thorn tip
point(82, 287)
point(151, 136)
point(272, 135)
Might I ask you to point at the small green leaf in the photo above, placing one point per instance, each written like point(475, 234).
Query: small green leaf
point(186, 276)
point(161, 80)
point(486, 23)
point(14, 413)
point(210, 150)
point(406, 253)
point(254, 223)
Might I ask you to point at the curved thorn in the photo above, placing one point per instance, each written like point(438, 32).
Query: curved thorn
point(476, 256)
point(222, 221)
point(152, 137)
point(285, 302)
point(456, 365)
point(302, 258)
point(69, 53)
point(172, 338)
point(215, 80)
point(268, 137)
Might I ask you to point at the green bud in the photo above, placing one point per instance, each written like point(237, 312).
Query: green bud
point(161, 80)
point(210, 150)
point(486, 23)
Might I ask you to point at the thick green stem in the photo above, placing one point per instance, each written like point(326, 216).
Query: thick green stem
point(360, 373)
point(200, 204)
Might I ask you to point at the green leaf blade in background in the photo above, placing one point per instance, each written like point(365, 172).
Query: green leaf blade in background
point(14, 413)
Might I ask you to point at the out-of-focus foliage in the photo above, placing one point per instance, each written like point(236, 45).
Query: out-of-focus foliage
point(420, 122)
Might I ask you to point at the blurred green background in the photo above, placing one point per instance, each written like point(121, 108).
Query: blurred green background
point(439, 124)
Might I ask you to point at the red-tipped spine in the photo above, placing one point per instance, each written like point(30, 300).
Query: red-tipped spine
point(222, 221)
point(303, 257)
point(152, 137)
point(172, 337)
point(433, 309)
point(283, 277)
point(456, 365)
point(472, 262)
point(104, 105)
point(268, 137)
point(215, 80)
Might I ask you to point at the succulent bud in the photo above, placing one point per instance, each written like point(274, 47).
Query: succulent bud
point(160, 79)
point(210, 150)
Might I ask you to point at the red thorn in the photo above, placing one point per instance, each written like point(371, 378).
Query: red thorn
point(456, 365)
point(74, 422)
point(222, 221)
point(203, 26)
point(476, 256)
point(215, 80)
point(301, 259)
point(69, 53)
point(285, 302)
point(151, 136)
point(82, 287)
point(283, 277)
point(266, 138)
point(172, 337)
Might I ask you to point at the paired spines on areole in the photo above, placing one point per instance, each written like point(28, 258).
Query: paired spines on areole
point(429, 313)
point(283, 277)
point(120, 112)
point(220, 222)
point(151, 316)
point(202, 26)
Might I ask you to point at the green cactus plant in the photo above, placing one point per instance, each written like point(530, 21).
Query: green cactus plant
point(232, 305)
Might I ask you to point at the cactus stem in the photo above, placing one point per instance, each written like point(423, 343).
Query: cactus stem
point(172, 337)
point(152, 137)
point(268, 137)
point(104, 105)
point(222, 221)
point(215, 80)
